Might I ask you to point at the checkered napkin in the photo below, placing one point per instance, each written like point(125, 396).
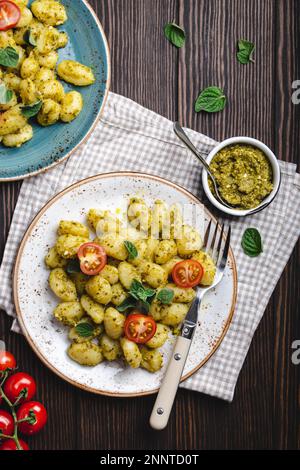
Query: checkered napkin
point(130, 137)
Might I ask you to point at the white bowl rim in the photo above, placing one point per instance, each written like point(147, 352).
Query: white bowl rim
point(275, 167)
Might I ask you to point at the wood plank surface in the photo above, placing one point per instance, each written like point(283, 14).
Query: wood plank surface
point(147, 69)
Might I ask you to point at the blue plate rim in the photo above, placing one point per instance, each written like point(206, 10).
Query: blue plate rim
point(97, 118)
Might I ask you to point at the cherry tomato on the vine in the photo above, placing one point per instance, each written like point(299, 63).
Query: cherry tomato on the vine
point(37, 414)
point(7, 361)
point(6, 423)
point(10, 444)
point(17, 383)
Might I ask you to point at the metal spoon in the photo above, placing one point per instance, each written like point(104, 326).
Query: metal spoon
point(185, 139)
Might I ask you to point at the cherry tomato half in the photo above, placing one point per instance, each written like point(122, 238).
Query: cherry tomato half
point(6, 423)
point(18, 382)
point(7, 361)
point(139, 328)
point(9, 15)
point(37, 412)
point(92, 258)
point(10, 444)
point(187, 273)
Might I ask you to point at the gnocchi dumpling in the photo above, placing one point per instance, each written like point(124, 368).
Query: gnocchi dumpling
point(93, 309)
point(127, 273)
point(67, 245)
point(73, 228)
point(139, 214)
point(18, 138)
point(49, 12)
point(71, 106)
point(152, 361)
point(113, 323)
point(160, 337)
point(174, 314)
point(118, 294)
point(53, 260)
point(76, 73)
point(99, 289)
point(69, 313)
point(208, 265)
point(131, 353)
point(165, 251)
point(49, 113)
point(61, 285)
point(189, 242)
point(11, 121)
point(113, 245)
point(111, 348)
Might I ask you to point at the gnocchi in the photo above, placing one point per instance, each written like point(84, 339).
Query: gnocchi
point(95, 307)
point(32, 78)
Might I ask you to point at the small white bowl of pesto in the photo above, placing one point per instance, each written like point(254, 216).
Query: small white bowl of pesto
point(247, 174)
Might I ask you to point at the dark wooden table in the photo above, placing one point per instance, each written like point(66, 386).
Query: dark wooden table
point(146, 68)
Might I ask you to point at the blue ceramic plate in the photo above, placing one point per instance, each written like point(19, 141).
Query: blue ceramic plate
point(50, 145)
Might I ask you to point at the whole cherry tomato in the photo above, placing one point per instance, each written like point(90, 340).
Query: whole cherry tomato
point(10, 444)
point(7, 361)
point(6, 423)
point(17, 383)
point(37, 414)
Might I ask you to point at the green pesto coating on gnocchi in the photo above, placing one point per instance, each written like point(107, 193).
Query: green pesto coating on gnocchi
point(96, 306)
point(33, 77)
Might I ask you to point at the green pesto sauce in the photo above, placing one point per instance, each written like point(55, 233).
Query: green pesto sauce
point(243, 174)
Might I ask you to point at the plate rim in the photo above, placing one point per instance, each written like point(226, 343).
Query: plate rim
point(30, 229)
point(85, 138)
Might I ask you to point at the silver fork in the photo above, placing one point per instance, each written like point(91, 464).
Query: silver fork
point(218, 250)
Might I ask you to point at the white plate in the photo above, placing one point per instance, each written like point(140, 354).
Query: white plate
point(35, 303)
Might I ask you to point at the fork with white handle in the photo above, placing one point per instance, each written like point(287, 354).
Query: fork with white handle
point(217, 246)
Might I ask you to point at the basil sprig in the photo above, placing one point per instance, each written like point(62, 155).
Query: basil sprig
point(251, 242)
point(31, 110)
point(175, 34)
point(139, 297)
point(245, 50)
point(139, 292)
point(84, 329)
point(211, 100)
point(131, 248)
point(6, 95)
point(9, 56)
point(165, 296)
point(73, 266)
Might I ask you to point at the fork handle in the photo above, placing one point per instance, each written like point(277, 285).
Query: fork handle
point(166, 395)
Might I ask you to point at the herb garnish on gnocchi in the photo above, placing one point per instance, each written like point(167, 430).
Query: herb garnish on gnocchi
point(122, 291)
point(29, 85)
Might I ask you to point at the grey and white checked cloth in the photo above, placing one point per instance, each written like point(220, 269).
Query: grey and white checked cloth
point(130, 137)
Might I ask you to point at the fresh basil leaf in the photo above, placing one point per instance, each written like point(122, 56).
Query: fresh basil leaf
point(175, 34)
point(73, 266)
point(127, 303)
point(5, 94)
point(165, 296)
point(139, 292)
point(84, 329)
point(131, 248)
point(130, 302)
point(251, 242)
point(211, 100)
point(29, 37)
point(245, 51)
point(9, 56)
point(31, 110)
